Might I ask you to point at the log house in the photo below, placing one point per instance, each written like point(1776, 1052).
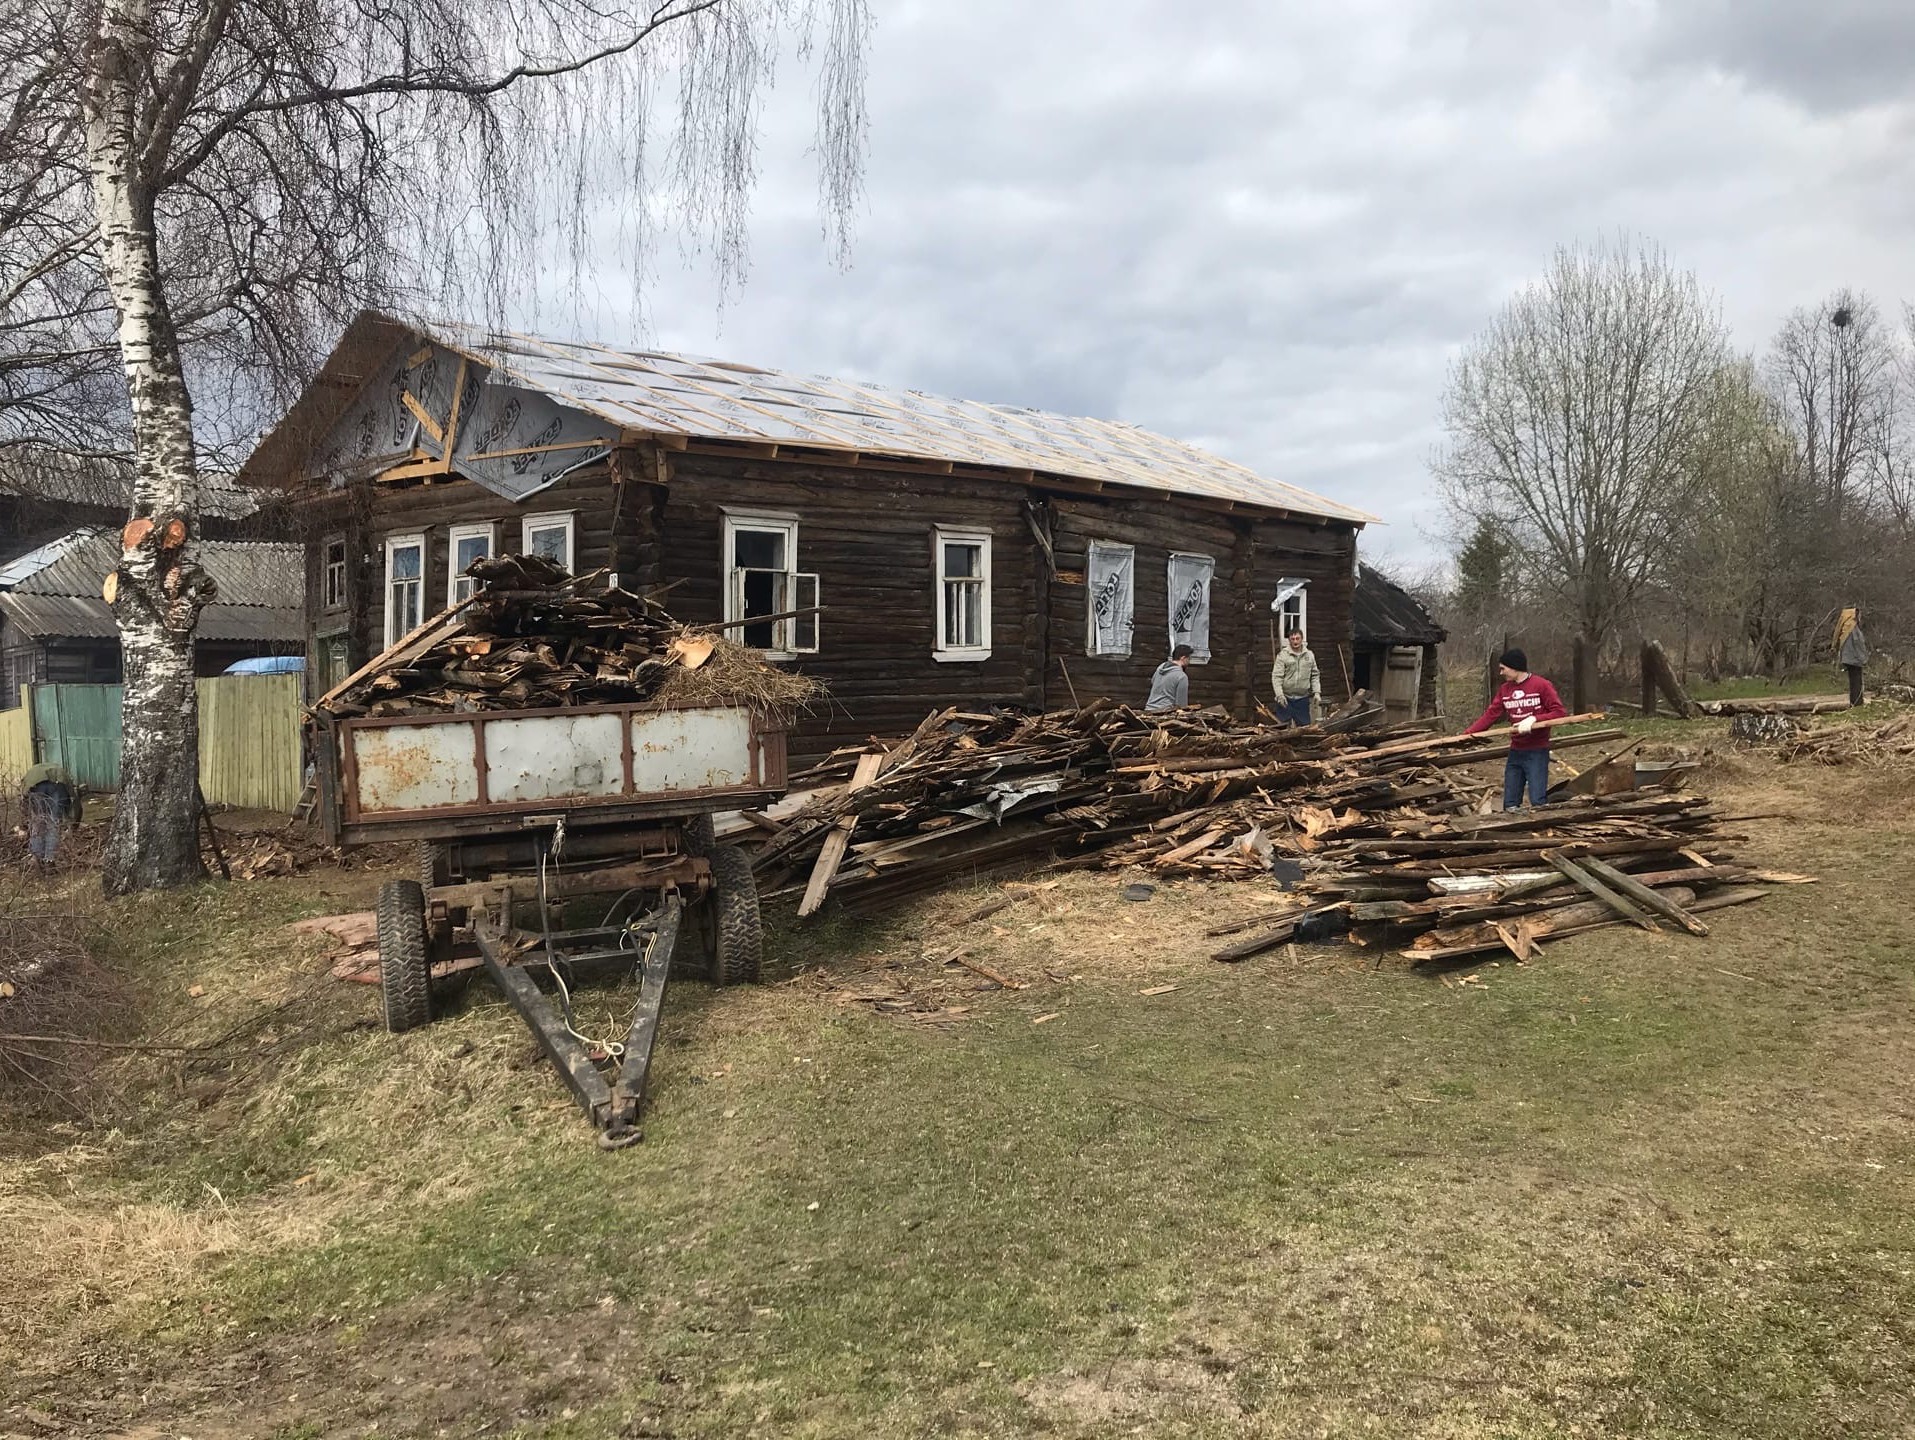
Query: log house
point(936, 552)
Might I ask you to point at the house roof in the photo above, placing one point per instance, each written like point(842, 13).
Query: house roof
point(45, 475)
point(626, 395)
point(38, 559)
point(54, 592)
point(1384, 613)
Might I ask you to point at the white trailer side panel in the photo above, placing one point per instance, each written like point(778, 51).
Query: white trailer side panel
point(691, 750)
point(554, 757)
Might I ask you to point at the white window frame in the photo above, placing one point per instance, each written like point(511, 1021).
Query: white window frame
point(396, 543)
point(328, 601)
point(797, 634)
point(487, 532)
point(551, 520)
point(1292, 611)
point(942, 535)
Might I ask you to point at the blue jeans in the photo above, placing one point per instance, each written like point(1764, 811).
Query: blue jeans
point(1526, 768)
point(1297, 711)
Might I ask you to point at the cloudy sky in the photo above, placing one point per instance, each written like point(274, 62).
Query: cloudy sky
point(1266, 228)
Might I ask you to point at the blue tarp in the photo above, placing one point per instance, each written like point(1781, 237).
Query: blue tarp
point(269, 665)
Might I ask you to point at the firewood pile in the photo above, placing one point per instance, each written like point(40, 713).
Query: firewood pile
point(1378, 831)
point(532, 637)
point(1851, 744)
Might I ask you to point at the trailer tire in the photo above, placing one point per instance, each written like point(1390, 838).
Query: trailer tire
point(431, 864)
point(700, 837)
point(405, 972)
point(738, 934)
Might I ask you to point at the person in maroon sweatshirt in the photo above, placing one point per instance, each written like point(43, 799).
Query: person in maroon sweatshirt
point(1528, 702)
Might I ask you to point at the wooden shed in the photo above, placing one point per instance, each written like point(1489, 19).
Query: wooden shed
point(1396, 642)
point(941, 551)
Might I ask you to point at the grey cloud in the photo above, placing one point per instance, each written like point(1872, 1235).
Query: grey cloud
point(1268, 230)
point(1829, 55)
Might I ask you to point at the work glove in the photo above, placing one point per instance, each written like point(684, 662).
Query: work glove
point(1525, 725)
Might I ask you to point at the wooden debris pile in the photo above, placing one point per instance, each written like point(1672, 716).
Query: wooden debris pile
point(1374, 834)
point(1184, 792)
point(1852, 744)
point(533, 637)
point(1444, 886)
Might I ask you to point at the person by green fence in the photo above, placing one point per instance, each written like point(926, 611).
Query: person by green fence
point(53, 803)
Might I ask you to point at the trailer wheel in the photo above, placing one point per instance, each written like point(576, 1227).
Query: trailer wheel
point(738, 933)
point(431, 864)
point(700, 837)
point(405, 973)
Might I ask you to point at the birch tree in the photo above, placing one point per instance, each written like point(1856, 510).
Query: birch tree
point(1575, 421)
point(239, 176)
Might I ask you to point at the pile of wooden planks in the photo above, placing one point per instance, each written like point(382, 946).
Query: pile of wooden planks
point(531, 636)
point(1184, 792)
point(1445, 886)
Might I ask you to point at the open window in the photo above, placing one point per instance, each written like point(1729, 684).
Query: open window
point(1292, 609)
point(1189, 592)
point(963, 562)
point(769, 603)
point(405, 585)
point(332, 572)
point(1110, 574)
point(549, 536)
point(468, 543)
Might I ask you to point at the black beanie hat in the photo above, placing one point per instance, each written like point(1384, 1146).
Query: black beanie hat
point(1515, 659)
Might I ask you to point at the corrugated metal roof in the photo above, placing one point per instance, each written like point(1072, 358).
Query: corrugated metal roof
point(651, 393)
point(72, 617)
point(34, 561)
point(248, 573)
point(63, 617)
point(38, 474)
point(1384, 613)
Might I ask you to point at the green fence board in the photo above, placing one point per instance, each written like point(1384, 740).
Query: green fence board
point(78, 726)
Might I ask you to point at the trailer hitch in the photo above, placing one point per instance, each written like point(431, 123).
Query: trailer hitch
point(612, 1104)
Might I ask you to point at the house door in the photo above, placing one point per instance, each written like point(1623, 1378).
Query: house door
point(1402, 681)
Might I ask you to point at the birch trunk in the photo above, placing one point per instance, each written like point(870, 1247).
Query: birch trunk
point(161, 588)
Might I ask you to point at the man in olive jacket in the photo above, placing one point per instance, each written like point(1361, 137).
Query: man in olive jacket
point(1296, 681)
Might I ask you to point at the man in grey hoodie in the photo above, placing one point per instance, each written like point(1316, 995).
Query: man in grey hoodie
point(1170, 686)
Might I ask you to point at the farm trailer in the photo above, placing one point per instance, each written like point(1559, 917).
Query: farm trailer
point(512, 809)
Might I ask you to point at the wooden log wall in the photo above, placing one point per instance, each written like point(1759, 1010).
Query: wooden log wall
point(866, 533)
point(369, 513)
point(1325, 555)
point(657, 517)
point(1153, 529)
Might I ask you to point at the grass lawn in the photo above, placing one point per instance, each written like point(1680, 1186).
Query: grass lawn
point(1647, 1186)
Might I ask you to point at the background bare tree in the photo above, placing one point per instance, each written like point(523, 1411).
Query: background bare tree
point(1576, 420)
point(238, 176)
point(1734, 574)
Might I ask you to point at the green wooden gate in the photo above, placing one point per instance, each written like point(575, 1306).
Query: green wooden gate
point(78, 726)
